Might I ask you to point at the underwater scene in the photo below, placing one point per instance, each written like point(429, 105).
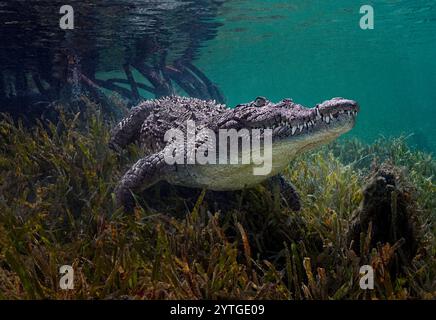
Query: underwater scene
point(217, 150)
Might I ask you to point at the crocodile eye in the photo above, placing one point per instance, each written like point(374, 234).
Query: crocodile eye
point(260, 102)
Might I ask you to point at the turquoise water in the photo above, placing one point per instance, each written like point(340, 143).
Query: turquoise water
point(315, 50)
point(308, 50)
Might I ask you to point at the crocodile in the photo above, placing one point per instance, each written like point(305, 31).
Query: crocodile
point(294, 130)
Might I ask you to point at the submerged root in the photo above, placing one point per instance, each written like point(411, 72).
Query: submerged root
point(387, 214)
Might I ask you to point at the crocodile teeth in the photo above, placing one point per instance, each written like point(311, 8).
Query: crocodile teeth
point(293, 130)
point(300, 127)
point(327, 119)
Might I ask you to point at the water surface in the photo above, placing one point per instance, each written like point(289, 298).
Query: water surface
point(314, 50)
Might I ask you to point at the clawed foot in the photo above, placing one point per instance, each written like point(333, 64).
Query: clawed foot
point(286, 190)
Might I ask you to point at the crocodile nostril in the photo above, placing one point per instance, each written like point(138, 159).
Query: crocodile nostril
point(260, 102)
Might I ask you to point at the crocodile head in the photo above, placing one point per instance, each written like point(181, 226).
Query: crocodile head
point(293, 122)
point(295, 128)
point(312, 126)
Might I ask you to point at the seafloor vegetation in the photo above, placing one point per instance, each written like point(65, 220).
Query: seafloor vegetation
point(57, 208)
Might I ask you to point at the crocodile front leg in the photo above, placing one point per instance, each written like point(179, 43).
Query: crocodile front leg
point(280, 186)
point(142, 175)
